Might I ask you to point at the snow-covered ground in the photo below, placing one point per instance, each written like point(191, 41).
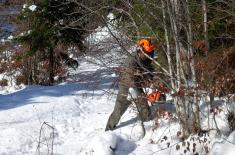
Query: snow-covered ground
point(77, 111)
point(70, 118)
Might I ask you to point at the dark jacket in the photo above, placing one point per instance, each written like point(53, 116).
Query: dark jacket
point(135, 72)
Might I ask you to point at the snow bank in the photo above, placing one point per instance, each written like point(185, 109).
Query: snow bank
point(224, 147)
point(104, 144)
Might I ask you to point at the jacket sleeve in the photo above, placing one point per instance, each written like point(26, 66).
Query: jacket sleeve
point(148, 74)
point(126, 75)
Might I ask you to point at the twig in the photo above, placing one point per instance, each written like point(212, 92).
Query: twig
point(40, 135)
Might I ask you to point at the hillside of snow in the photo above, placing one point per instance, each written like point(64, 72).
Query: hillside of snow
point(70, 118)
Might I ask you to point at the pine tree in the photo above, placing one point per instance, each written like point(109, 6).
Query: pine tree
point(55, 23)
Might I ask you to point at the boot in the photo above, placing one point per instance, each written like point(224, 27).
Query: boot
point(109, 127)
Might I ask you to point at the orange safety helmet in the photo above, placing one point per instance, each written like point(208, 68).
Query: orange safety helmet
point(146, 45)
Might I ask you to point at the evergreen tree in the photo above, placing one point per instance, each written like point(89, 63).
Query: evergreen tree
point(56, 22)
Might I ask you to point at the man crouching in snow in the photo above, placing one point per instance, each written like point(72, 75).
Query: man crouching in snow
point(135, 73)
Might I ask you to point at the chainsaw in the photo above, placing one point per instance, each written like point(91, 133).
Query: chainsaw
point(154, 96)
point(157, 95)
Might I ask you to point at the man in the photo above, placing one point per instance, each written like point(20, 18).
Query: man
point(135, 73)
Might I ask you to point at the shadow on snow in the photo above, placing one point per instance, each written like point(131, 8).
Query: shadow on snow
point(87, 82)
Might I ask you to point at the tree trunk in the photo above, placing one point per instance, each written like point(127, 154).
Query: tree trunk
point(195, 104)
point(168, 54)
point(181, 107)
point(51, 66)
point(207, 44)
point(205, 25)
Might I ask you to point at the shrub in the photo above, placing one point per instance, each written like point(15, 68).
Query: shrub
point(3, 82)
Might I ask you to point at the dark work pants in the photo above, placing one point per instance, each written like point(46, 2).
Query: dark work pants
point(122, 104)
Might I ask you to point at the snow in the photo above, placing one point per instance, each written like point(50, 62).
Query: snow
point(225, 147)
point(70, 118)
point(25, 6)
point(78, 112)
point(32, 7)
point(102, 33)
point(10, 37)
point(103, 144)
point(71, 108)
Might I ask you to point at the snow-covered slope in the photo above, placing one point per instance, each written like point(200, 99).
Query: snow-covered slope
point(77, 111)
point(70, 118)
